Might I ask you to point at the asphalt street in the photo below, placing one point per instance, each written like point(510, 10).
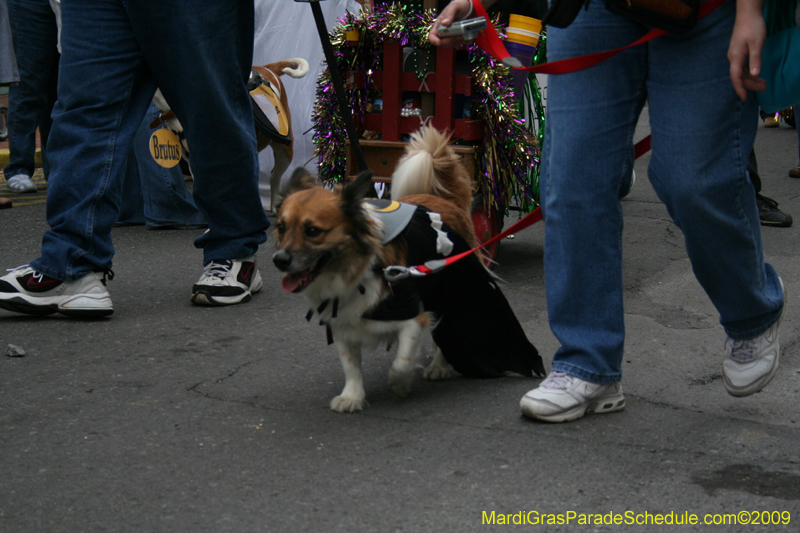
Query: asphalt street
point(167, 417)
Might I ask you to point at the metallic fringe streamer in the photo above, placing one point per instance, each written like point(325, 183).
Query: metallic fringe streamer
point(508, 157)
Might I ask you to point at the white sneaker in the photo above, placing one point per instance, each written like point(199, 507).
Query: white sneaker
point(563, 398)
point(227, 282)
point(26, 291)
point(21, 183)
point(751, 364)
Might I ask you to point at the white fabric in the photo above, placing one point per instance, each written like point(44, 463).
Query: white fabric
point(285, 29)
point(444, 245)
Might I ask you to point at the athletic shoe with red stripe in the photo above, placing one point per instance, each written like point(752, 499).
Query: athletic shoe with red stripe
point(24, 290)
point(227, 282)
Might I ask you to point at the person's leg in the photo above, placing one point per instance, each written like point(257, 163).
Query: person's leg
point(167, 202)
point(34, 32)
point(200, 55)
point(588, 152)
point(591, 119)
point(702, 137)
point(203, 77)
point(104, 90)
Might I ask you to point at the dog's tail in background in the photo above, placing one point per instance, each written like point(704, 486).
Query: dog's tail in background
point(431, 166)
point(296, 67)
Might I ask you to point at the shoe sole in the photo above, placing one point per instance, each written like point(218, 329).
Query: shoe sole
point(776, 224)
point(604, 405)
point(204, 297)
point(20, 305)
point(763, 381)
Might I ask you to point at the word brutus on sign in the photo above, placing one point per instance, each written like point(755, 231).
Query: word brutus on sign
point(165, 147)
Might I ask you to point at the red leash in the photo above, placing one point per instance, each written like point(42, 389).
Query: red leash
point(490, 41)
point(398, 272)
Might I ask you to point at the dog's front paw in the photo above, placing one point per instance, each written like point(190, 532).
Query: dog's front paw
point(347, 404)
point(400, 382)
point(439, 370)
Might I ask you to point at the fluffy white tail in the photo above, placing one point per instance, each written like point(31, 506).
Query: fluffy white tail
point(430, 166)
point(414, 175)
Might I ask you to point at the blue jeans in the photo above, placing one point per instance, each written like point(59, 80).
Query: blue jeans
point(154, 195)
point(114, 54)
point(701, 138)
point(35, 34)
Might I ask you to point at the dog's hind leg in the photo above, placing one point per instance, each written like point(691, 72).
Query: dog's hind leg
point(409, 341)
point(439, 369)
point(353, 396)
point(283, 157)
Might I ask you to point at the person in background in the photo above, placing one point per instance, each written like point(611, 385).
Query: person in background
point(768, 211)
point(9, 73)
point(155, 196)
point(35, 34)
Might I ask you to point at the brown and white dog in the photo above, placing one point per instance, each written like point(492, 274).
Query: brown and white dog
point(283, 153)
point(334, 248)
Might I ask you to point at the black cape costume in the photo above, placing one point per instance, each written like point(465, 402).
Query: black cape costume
point(478, 332)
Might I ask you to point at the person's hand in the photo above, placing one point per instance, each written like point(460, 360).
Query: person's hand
point(744, 52)
point(455, 10)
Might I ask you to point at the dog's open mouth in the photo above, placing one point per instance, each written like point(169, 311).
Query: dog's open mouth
point(298, 281)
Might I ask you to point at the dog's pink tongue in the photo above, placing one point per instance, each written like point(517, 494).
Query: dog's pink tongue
point(293, 282)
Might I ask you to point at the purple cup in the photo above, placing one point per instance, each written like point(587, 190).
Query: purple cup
point(525, 54)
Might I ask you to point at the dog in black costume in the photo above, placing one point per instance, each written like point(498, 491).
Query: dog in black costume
point(335, 247)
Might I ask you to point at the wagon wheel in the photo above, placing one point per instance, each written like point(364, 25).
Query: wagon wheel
point(488, 223)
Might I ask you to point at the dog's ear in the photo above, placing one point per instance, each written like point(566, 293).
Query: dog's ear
point(359, 188)
point(353, 208)
point(300, 180)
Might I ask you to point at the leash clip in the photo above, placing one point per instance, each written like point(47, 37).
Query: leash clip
point(397, 272)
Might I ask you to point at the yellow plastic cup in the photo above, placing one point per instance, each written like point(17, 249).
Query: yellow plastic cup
point(522, 22)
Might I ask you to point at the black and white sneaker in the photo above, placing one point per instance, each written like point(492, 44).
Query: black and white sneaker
point(24, 290)
point(227, 282)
